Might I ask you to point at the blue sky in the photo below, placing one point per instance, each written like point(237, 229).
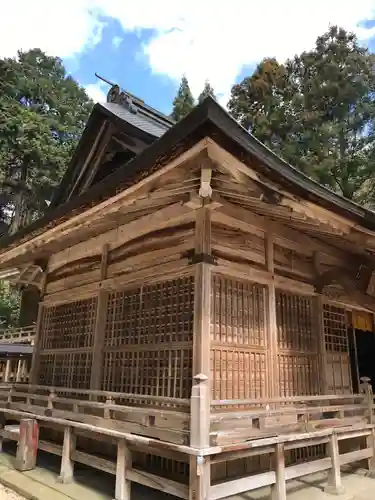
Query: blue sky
point(146, 45)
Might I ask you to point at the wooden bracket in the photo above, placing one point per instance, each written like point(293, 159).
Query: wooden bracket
point(198, 258)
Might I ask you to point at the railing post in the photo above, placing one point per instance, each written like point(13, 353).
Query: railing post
point(19, 367)
point(370, 443)
point(334, 485)
point(67, 464)
point(365, 388)
point(7, 370)
point(27, 445)
point(123, 485)
point(279, 488)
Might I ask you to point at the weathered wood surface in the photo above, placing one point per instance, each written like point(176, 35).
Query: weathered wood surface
point(239, 420)
point(27, 445)
point(273, 446)
point(18, 335)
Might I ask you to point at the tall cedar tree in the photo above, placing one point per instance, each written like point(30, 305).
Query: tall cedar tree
point(207, 90)
point(42, 114)
point(183, 102)
point(317, 111)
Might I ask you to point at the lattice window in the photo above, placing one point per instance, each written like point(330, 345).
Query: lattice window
point(297, 345)
point(151, 314)
point(238, 312)
point(149, 340)
point(337, 348)
point(71, 370)
point(161, 372)
point(298, 375)
point(238, 339)
point(238, 374)
point(295, 322)
point(67, 341)
point(69, 326)
point(335, 329)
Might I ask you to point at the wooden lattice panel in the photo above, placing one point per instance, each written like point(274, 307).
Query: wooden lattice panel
point(158, 372)
point(297, 345)
point(295, 322)
point(71, 370)
point(69, 326)
point(238, 373)
point(238, 339)
point(337, 349)
point(151, 314)
point(298, 375)
point(66, 344)
point(149, 339)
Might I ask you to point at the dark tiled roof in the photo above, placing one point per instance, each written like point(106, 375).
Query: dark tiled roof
point(145, 118)
point(206, 119)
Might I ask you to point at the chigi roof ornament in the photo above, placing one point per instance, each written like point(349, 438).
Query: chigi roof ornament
point(117, 96)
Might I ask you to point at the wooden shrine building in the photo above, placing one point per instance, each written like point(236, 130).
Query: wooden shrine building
point(205, 309)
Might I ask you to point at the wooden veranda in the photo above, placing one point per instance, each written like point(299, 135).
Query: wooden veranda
point(201, 307)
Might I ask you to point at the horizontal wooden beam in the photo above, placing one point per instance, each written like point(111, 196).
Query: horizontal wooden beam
point(168, 216)
point(248, 273)
point(234, 216)
point(83, 221)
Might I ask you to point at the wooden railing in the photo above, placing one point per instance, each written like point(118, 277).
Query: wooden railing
point(239, 420)
point(18, 335)
point(161, 425)
point(167, 419)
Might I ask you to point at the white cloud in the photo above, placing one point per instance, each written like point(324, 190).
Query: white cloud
point(203, 39)
point(97, 91)
point(117, 41)
point(59, 28)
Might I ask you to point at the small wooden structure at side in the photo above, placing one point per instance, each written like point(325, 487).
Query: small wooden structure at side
point(205, 311)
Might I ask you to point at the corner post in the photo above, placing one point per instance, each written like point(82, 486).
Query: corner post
point(35, 362)
point(200, 467)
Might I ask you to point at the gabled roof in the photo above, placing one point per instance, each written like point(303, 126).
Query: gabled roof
point(144, 123)
point(206, 119)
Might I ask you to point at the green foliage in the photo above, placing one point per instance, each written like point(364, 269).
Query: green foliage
point(9, 305)
point(207, 90)
point(183, 102)
point(317, 111)
point(42, 114)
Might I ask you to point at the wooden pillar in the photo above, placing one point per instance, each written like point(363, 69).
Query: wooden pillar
point(35, 363)
point(101, 316)
point(123, 485)
point(320, 336)
point(279, 488)
point(200, 469)
point(273, 370)
point(67, 464)
point(334, 485)
point(7, 370)
point(27, 445)
point(19, 368)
